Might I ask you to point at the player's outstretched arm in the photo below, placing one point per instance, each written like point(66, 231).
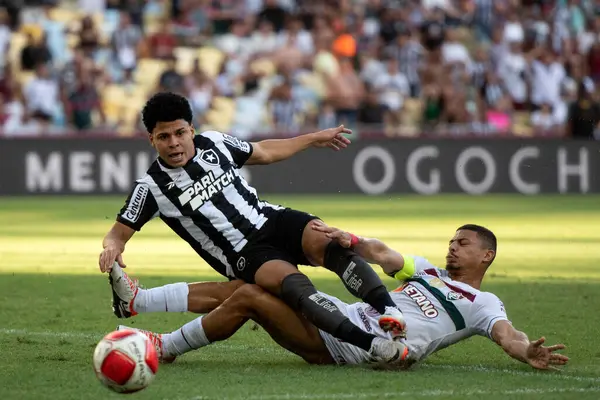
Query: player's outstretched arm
point(517, 345)
point(274, 150)
point(374, 251)
point(114, 246)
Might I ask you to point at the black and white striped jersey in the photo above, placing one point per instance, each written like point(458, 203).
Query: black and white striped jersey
point(207, 202)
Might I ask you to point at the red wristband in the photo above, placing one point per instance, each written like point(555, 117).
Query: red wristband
point(353, 240)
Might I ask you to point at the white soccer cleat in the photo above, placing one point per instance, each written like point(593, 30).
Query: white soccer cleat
point(157, 341)
point(388, 351)
point(124, 291)
point(393, 321)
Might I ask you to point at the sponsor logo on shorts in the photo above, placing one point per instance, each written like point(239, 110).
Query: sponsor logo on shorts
point(454, 296)
point(421, 300)
point(241, 264)
point(372, 312)
point(136, 204)
point(364, 320)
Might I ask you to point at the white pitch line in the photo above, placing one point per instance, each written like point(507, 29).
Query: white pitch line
point(421, 393)
point(245, 347)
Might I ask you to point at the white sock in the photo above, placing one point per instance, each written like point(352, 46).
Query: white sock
point(168, 298)
point(189, 337)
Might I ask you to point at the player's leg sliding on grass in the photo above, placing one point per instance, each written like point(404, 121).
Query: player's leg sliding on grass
point(288, 328)
point(205, 296)
point(442, 307)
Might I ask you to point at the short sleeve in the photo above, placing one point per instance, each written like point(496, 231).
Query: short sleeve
point(487, 309)
point(420, 263)
point(140, 207)
point(240, 149)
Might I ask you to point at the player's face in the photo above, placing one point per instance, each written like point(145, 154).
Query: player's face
point(466, 251)
point(174, 142)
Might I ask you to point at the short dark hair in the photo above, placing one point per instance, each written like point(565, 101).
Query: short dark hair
point(166, 107)
point(486, 236)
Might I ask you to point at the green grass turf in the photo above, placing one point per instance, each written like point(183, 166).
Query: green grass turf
point(55, 305)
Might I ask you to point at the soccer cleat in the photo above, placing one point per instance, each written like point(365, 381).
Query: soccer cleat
point(393, 321)
point(124, 291)
point(388, 351)
point(157, 341)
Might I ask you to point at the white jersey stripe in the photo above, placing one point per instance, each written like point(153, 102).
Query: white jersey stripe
point(261, 204)
point(208, 209)
point(170, 210)
point(219, 144)
point(235, 199)
point(206, 243)
point(222, 224)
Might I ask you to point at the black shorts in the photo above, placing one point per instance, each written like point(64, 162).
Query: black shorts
point(280, 238)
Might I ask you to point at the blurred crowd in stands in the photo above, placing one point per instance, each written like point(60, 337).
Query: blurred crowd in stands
point(280, 67)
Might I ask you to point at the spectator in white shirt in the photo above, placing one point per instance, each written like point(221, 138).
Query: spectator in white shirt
point(392, 88)
point(512, 72)
point(125, 42)
point(42, 94)
point(263, 41)
point(542, 119)
point(590, 36)
point(547, 76)
point(453, 51)
point(295, 35)
point(234, 43)
point(513, 29)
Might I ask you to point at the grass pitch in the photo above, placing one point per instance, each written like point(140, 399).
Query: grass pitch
point(55, 305)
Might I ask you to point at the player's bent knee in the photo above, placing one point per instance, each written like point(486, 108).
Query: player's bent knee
point(270, 275)
point(314, 244)
point(248, 292)
point(241, 301)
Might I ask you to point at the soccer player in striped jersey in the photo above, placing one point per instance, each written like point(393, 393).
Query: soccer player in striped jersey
point(196, 188)
point(441, 306)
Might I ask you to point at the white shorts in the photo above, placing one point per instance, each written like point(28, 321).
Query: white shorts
point(342, 352)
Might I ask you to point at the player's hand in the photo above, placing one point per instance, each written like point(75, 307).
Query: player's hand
point(542, 357)
point(333, 138)
point(343, 238)
point(108, 256)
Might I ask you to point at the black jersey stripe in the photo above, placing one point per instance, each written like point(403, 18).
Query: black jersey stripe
point(172, 192)
point(222, 202)
point(180, 230)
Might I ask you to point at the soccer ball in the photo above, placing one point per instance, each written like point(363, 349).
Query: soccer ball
point(125, 361)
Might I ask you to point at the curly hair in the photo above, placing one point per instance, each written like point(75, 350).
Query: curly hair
point(165, 107)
